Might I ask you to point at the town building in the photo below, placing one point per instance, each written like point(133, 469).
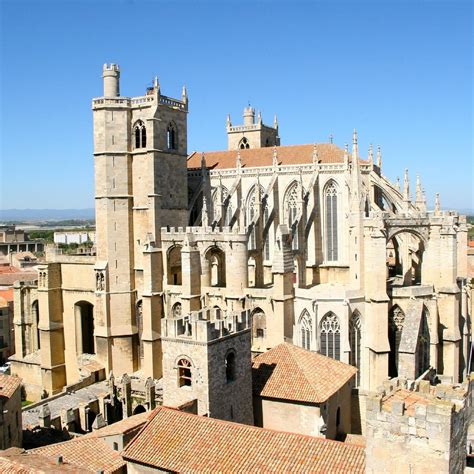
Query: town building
point(11, 433)
point(174, 441)
point(313, 242)
point(303, 392)
point(17, 240)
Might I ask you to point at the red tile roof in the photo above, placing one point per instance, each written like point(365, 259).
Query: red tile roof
point(410, 398)
point(87, 453)
point(7, 294)
point(17, 461)
point(126, 425)
point(288, 372)
point(182, 442)
point(286, 155)
point(8, 385)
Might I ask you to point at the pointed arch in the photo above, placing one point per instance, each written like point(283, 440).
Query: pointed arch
point(423, 344)
point(305, 327)
point(331, 220)
point(251, 211)
point(244, 144)
point(226, 204)
point(330, 336)
point(290, 210)
point(139, 132)
point(174, 265)
point(172, 136)
point(355, 327)
point(396, 322)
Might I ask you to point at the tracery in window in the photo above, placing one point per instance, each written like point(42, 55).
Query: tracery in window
point(306, 330)
point(396, 321)
point(330, 336)
point(354, 341)
point(291, 212)
point(331, 222)
point(139, 131)
point(244, 144)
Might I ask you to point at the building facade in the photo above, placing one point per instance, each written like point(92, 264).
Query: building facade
point(313, 241)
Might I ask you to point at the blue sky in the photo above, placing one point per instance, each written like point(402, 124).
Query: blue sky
point(398, 71)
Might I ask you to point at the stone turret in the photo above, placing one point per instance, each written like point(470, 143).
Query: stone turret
point(207, 357)
point(111, 75)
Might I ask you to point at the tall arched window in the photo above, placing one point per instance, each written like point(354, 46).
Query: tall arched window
point(172, 137)
point(306, 330)
point(396, 321)
point(185, 378)
point(291, 212)
point(84, 315)
point(174, 265)
point(330, 336)
point(225, 203)
point(139, 315)
point(244, 144)
point(139, 130)
point(36, 333)
point(423, 345)
point(331, 222)
point(251, 213)
point(354, 341)
point(230, 367)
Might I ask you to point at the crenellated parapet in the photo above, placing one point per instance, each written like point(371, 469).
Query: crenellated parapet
point(206, 325)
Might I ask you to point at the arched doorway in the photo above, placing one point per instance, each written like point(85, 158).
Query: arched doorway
point(84, 315)
point(174, 266)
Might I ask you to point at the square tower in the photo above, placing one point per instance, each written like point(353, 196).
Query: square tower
point(207, 357)
point(252, 134)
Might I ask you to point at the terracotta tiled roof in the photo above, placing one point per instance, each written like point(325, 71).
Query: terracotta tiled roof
point(121, 427)
point(286, 155)
point(410, 398)
point(289, 372)
point(8, 269)
point(8, 278)
point(7, 294)
point(181, 442)
point(8, 385)
point(20, 462)
point(86, 452)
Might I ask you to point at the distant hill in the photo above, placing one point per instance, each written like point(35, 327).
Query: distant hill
point(35, 215)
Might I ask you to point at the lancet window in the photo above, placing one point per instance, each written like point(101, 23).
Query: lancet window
point(330, 336)
point(139, 131)
point(331, 222)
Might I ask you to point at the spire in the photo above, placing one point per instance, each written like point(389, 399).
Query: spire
point(397, 185)
point(184, 94)
point(228, 122)
point(203, 161)
point(258, 190)
point(419, 191)
point(355, 147)
point(205, 216)
point(301, 185)
point(406, 186)
point(238, 162)
point(156, 83)
point(275, 157)
point(259, 117)
point(275, 122)
point(346, 154)
point(315, 155)
point(371, 153)
point(437, 208)
point(379, 157)
point(420, 200)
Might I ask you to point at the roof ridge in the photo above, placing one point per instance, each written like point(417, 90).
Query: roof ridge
point(305, 375)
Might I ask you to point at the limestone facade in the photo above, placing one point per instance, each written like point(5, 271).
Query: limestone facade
point(298, 236)
point(411, 429)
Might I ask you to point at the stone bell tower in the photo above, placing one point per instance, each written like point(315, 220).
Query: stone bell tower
point(253, 133)
point(140, 150)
